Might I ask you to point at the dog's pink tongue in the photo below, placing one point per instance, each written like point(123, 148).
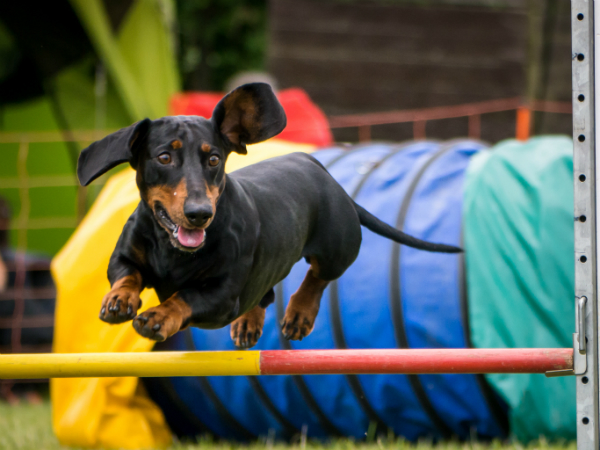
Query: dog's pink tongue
point(190, 238)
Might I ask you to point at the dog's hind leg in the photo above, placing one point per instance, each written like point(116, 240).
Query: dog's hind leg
point(246, 330)
point(302, 310)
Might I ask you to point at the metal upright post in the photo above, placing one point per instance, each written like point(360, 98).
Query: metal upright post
point(585, 60)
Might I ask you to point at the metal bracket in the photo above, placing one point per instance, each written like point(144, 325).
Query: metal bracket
point(581, 303)
point(579, 345)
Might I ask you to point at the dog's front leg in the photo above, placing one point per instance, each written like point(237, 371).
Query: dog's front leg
point(164, 320)
point(212, 308)
point(123, 300)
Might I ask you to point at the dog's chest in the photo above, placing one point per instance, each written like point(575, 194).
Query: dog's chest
point(170, 271)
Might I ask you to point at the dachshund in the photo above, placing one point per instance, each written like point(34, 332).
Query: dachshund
point(212, 244)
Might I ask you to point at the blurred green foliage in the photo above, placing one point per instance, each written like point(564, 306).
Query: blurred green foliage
point(219, 38)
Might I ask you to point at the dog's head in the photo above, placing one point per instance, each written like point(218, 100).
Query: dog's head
point(180, 160)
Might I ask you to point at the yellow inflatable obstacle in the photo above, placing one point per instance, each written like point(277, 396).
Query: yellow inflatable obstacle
point(110, 412)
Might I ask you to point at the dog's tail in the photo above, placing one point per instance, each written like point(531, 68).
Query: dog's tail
point(378, 226)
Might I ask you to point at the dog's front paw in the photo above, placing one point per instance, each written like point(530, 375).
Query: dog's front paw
point(246, 330)
point(297, 324)
point(154, 324)
point(120, 305)
point(164, 320)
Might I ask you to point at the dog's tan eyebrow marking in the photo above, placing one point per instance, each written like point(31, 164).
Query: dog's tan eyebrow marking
point(176, 144)
point(206, 147)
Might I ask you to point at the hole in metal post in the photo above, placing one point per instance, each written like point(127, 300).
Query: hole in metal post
point(582, 218)
point(585, 420)
point(579, 16)
point(585, 380)
point(583, 258)
point(580, 57)
point(581, 138)
point(581, 97)
point(582, 178)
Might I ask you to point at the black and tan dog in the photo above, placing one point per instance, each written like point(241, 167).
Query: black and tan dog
point(213, 245)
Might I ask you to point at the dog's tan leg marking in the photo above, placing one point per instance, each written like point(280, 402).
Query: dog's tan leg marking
point(247, 329)
point(302, 310)
point(123, 300)
point(164, 320)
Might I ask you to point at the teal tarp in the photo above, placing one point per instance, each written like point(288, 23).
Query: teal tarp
point(518, 231)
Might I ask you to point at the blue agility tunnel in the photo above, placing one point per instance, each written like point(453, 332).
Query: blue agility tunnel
point(391, 297)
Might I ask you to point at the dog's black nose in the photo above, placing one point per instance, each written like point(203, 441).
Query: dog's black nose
point(198, 213)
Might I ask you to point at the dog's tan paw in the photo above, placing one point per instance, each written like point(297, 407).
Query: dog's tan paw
point(297, 324)
point(154, 324)
point(302, 310)
point(246, 330)
point(123, 300)
point(120, 305)
point(164, 320)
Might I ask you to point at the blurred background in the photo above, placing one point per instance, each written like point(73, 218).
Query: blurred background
point(452, 77)
point(103, 64)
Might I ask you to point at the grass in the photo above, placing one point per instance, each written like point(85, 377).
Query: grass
point(27, 427)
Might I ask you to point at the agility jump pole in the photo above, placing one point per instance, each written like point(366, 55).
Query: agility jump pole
point(285, 362)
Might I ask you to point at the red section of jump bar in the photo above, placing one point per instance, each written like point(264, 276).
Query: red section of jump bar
point(415, 361)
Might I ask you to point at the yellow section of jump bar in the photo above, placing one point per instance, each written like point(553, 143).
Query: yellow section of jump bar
point(150, 364)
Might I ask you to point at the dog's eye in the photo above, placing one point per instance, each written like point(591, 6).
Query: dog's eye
point(164, 158)
point(214, 160)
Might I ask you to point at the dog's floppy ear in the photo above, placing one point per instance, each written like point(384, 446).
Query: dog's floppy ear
point(249, 114)
point(114, 149)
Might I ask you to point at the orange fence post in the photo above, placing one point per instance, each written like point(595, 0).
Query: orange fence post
point(364, 133)
point(523, 125)
point(419, 129)
point(475, 126)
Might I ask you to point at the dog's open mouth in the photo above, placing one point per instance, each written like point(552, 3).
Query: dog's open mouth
point(188, 239)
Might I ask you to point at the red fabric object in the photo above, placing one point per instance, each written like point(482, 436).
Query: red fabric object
point(306, 123)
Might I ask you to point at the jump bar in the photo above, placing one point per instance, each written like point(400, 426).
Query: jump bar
point(284, 362)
